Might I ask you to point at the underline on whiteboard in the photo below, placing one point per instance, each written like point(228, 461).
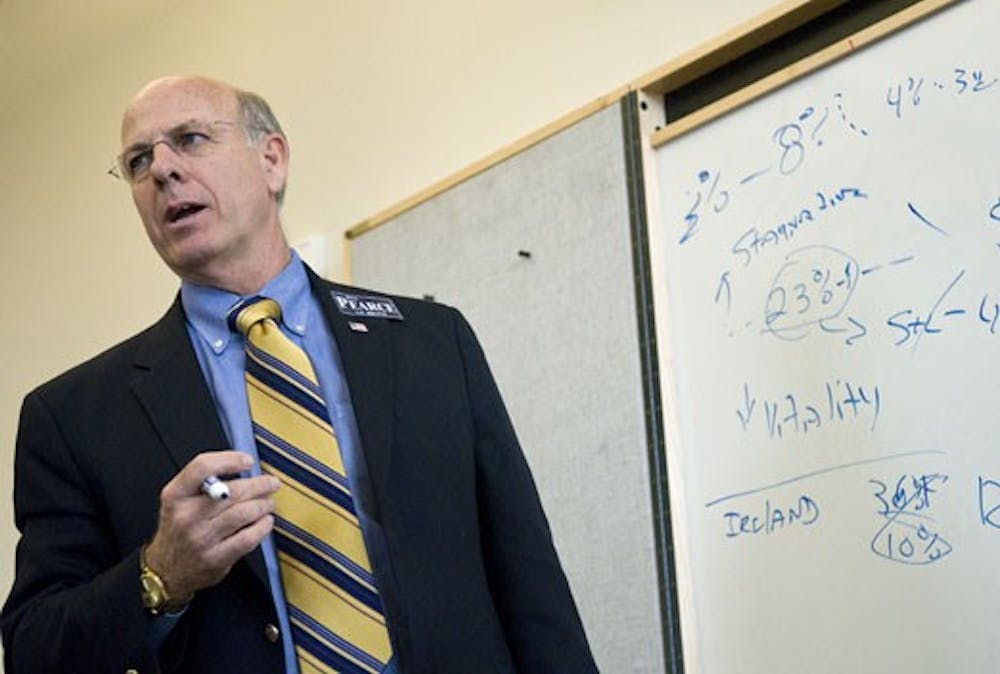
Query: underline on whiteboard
point(821, 471)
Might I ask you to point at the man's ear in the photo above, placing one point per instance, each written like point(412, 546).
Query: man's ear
point(274, 160)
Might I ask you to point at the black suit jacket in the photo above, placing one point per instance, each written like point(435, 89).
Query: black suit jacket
point(471, 582)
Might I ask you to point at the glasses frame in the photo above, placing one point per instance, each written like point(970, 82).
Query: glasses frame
point(119, 168)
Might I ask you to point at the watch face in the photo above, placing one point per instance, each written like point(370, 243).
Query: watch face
point(152, 593)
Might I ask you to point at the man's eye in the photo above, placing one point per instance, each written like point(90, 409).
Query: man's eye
point(189, 141)
point(139, 162)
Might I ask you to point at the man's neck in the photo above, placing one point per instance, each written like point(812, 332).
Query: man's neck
point(245, 277)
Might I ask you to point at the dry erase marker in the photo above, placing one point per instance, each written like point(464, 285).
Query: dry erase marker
point(215, 488)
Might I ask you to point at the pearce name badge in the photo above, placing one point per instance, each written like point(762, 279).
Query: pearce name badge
point(366, 306)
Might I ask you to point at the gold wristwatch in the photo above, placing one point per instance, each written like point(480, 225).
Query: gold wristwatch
point(155, 596)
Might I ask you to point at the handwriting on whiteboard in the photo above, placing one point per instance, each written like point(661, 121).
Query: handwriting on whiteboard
point(792, 139)
point(797, 306)
point(989, 502)
point(909, 94)
point(771, 518)
point(813, 286)
point(909, 535)
point(752, 242)
point(905, 505)
point(792, 413)
point(813, 128)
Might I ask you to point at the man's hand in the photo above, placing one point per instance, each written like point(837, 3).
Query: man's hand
point(198, 539)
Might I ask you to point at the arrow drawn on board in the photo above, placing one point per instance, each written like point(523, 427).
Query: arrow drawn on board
point(725, 287)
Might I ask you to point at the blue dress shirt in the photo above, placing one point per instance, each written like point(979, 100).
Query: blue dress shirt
point(221, 356)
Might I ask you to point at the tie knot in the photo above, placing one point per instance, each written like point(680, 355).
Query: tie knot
point(251, 311)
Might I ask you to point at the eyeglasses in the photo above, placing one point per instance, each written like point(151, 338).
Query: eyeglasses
point(190, 139)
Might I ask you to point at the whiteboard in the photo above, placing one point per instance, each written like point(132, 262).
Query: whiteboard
point(536, 252)
point(826, 267)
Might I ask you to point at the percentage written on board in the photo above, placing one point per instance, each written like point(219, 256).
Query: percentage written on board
point(911, 92)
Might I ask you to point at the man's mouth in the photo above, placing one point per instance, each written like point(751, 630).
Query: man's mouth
point(181, 211)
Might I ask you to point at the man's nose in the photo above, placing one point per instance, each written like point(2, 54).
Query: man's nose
point(166, 163)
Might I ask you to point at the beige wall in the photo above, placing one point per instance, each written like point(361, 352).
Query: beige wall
point(379, 99)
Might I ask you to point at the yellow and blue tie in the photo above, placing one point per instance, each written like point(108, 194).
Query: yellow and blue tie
point(333, 604)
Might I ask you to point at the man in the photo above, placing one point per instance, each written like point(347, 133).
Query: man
point(126, 565)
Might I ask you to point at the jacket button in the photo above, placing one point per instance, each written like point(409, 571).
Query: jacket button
point(272, 633)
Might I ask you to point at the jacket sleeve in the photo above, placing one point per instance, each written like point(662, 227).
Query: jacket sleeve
point(75, 604)
point(533, 599)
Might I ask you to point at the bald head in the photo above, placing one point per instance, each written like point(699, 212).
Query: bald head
point(254, 112)
point(178, 89)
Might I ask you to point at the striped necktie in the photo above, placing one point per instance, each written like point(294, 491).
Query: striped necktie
point(333, 604)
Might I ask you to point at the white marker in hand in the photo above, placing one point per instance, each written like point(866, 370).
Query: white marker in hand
point(215, 488)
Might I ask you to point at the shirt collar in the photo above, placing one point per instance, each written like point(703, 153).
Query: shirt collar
point(206, 307)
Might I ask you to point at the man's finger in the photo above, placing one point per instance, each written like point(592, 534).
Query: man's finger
point(189, 481)
point(246, 488)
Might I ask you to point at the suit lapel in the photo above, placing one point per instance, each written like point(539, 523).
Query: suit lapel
point(171, 388)
point(366, 356)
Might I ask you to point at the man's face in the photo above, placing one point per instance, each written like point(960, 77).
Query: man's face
point(210, 212)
